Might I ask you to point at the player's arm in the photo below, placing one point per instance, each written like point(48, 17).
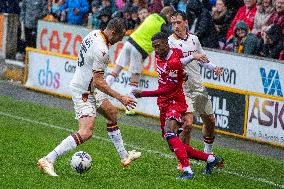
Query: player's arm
point(216, 69)
point(100, 83)
point(170, 88)
point(171, 85)
point(197, 56)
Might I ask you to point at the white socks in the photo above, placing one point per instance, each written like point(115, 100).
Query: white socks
point(188, 169)
point(65, 146)
point(211, 158)
point(208, 148)
point(116, 139)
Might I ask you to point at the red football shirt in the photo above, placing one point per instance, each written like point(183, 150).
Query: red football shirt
point(170, 80)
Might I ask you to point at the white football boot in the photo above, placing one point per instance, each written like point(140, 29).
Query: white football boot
point(47, 167)
point(132, 155)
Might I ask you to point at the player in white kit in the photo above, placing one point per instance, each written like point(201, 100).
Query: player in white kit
point(89, 75)
point(196, 95)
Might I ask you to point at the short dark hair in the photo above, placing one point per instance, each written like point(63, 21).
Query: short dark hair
point(160, 35)
point(180, 13)
point(117, 25)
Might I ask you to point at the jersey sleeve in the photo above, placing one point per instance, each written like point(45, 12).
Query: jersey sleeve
point(100, 60)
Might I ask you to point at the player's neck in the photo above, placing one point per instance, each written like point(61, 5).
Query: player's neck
point(182, 36)
point(106, 33)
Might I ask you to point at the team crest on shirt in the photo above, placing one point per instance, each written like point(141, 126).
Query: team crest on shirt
point(173, 73)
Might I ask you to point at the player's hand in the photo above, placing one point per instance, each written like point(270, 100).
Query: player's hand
point(218, 71)
point(128, 102)
point(200, 57)
point(136, 93)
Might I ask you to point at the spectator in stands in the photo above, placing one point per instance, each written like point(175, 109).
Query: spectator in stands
point(127, 16)
point(106, 4)
point(244, 41)
point(222, 18)
point(10, 6)
point(272, 43)
point(134, 17)
point(119, 4)
point(277, 16)
point(201, 24)
point(143, 13)
point(182, 5)
point(95, 14)
point(155, 6)
point(76, 11)
point(139, 3)
point(234, 4)
point(104, 16)
point(31, 12)
point(263, 12)
point(246, 13)
point(54, 9)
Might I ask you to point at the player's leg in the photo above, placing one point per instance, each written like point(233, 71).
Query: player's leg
point(203, 107)
point(172, 117)
point(185, 135)
point(208, 132)
point(121, 62)
point(188, 119)
point(85, 113)
point(106, 109)
point(135, 68)
point(212, 160)
point(178, 148)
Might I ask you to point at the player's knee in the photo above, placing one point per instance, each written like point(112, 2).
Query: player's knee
point(211, 119)
point(113, 115)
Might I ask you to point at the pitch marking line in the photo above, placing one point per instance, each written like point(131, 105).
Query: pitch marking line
point(262, 180)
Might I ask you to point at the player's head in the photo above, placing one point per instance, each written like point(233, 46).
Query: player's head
point(179, 23)
point(160, 44)
point(115, 30)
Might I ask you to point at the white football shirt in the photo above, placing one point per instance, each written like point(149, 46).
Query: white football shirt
point(93, 56)
point(189, 46)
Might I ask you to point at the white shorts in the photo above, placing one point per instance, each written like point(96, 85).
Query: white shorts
point(131, 57)
point(99, 97)
point(83, 108)
point(199, 103)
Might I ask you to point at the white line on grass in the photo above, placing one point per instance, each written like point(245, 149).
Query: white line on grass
point(262, 180)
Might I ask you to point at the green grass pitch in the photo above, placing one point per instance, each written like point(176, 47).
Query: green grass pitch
point(29, 131)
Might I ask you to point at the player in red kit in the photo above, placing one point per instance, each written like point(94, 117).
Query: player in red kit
point(172, 104)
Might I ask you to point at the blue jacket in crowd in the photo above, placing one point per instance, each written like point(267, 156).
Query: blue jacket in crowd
point(83, 7)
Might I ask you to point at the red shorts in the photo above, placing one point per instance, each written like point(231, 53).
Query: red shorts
point(174, 111)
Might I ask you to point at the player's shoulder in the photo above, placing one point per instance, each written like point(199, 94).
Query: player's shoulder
point(177, 52)
point(173, 38)
point(192, 36)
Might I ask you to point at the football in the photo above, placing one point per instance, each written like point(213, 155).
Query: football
point(81, 162)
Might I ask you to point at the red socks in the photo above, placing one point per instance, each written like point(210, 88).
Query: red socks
point(179, 150)
point(195, 154)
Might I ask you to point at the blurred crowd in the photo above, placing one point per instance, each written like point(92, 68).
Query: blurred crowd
point(252, 27)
